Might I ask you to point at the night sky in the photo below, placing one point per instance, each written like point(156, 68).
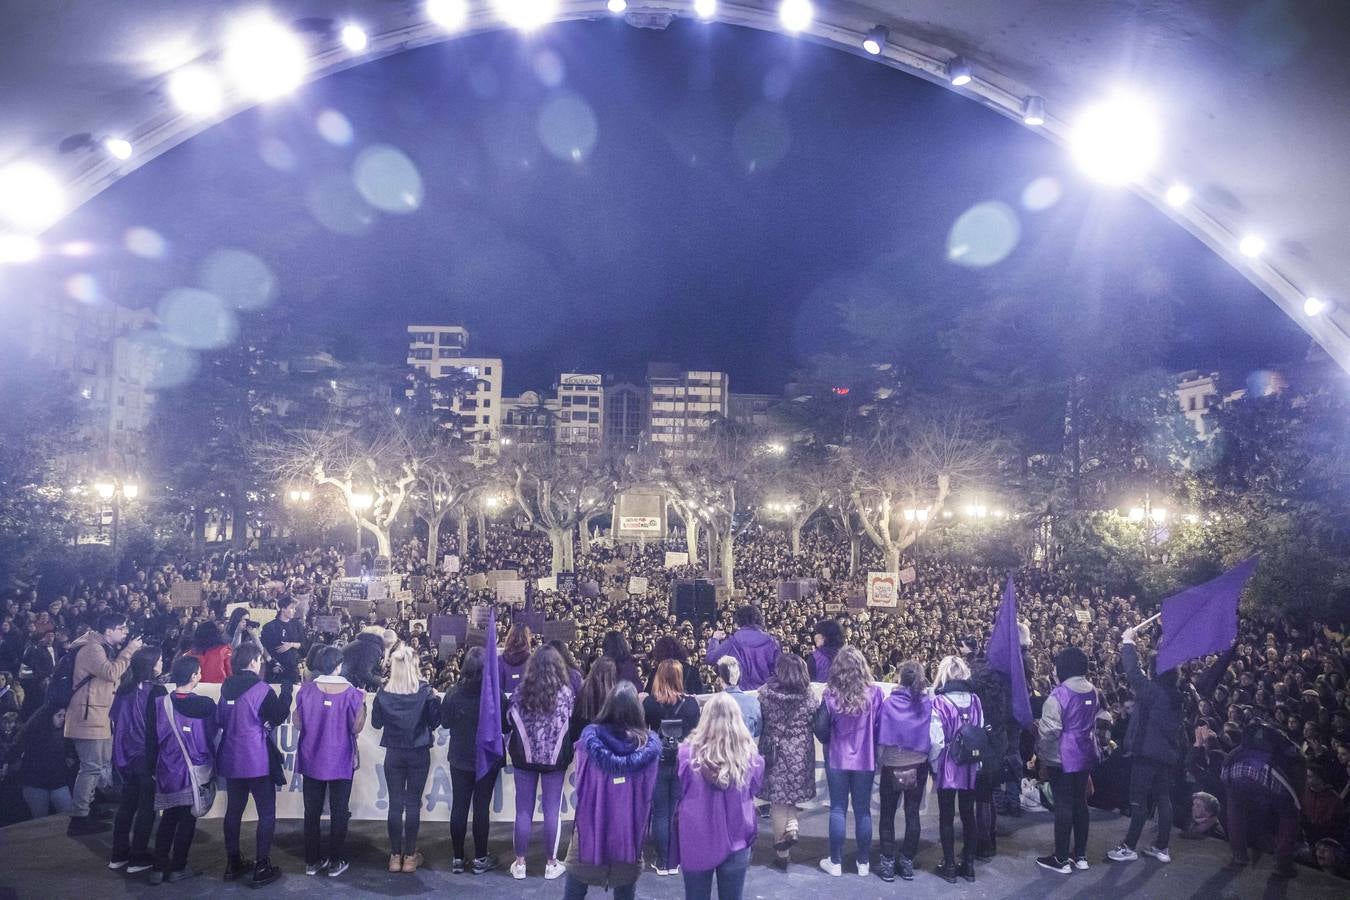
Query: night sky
point(735, 186)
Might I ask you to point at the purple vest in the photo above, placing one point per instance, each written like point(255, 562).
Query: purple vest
point(612, 811)
point(1078, 739)
point(853, 745)
point(712, 822)
point(171, 770)
point(243, 736)
point(904, 723)
point(128, 725)
point(823, 661)
point(950, 774)
point(510, 674)
point(327, 748)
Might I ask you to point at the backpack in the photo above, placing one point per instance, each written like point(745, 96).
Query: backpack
point(971, 743)
point(62, 687)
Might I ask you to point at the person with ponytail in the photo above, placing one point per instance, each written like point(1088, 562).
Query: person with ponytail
point(906, 734)
point(955, 707)
point(406, 711)
point(673, 715)
point(131, 846)
point(1067, 747)
point(846, 723)
point(329, 713)
point(540, 713)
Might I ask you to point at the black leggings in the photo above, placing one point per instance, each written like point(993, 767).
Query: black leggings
point(949, 800)
point(478, 791)
point(264, 793)
point(174, 838)
point(339, 793)
point(405, 774)
point(138, 807)
point(1071, 812)
point(890, 802)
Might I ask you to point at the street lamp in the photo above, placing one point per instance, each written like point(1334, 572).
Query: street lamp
point(359, 503)
point(116, 490)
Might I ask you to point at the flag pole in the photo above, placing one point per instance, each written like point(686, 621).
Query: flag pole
point(1148, 621)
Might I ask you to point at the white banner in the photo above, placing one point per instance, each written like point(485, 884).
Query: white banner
point(674, 559)
point(651, 524)
point(882, 589)
point(511, 591)
point(637, 584)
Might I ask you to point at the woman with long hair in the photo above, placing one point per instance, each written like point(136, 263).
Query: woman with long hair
point(459, 716)
point(237, 629)
point(44, 770)
point(720, 771)
point(541, 710)
point(955, 706)
point(617, 757)
point(406, 709)
point(672, 714)
point(905, 735)
point(846, 723)
point(789, 750)
point(599, 681)
point(828, 637)
point(668, 646)
point(131, 847)
point(615, 646)
point(212, 652)
point(514, 656)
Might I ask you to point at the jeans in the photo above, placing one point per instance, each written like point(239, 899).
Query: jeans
point(949, 801)
point(95, 769)
point(847, 785)
point(339, 793)
point(1244, 809)
point(890, 802)
point(1149, 782)
point(730, 878)
point(478, 791)
point(574, 889)
point(42, 802)
point(137, 808)
point(174, 838)
point(1071, 812)
point(405, 772)
point(264, 793)
point(551, 784)
point(663, 812)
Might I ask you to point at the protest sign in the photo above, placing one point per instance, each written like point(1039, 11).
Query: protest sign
point(447, 646)
point(674, 559)
point(387, 610)
point(360, 609)
point(327, 624)
point(478, 582)
point(535, 620)
point(567, 582)
point(498, 575)
point(882, 589)
point(424, 609)
point(565, 631)
point(834, 608)
point(511, 591)
point(185, 594)
point(795, 589)
point(229, 610)
point(589, 589)
point(548, 584)
point(383, 567)
point(417, 584)
point(450, 564)
point(908, 575)
point(377, 589)
point(637, 585)
point(261, 616)
point(346, 589)
point(857, 598)
point(1083, 615)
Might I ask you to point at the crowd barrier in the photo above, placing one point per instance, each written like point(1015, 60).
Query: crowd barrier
point(370, 794)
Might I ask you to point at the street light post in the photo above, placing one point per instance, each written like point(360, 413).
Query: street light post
point(115, 490)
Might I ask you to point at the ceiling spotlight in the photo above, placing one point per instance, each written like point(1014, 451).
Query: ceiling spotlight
point(264, 58)
point(117, 147)
point(1315, 306)
point(958, 72)
point(354, 38)
point(30, 197)
point(796, 15)
point(1033, 111)
point(1178, 195)
point(876, 39)
point(1117, 140)
point(1252, 246)
point(196, 91)
point(526, 15)
point(617, 6)
point(449, 14)
point(19, 248)
point(705, 9)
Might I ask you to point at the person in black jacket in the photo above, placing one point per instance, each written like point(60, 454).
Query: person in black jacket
point(406, 709)
point(994, 690)
point(459, 715)
point(1153, 741)
point(362, 658)
point(668, 703)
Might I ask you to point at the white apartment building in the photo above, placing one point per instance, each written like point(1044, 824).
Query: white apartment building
point(682, 404)
point(439, 350)
point(581, 410)
point(1198, 393)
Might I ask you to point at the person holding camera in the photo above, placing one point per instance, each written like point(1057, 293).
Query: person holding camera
point(672, 714)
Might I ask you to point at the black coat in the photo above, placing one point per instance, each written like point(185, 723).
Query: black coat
point(361, 661)
point(406, 720)
point(459, 716)
point(1154, 731)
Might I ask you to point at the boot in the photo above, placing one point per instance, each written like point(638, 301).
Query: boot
point(904, 867)
point(265, 873)
point(886, 868)
point(967, 870)
point(236, 866)
point(947, 872)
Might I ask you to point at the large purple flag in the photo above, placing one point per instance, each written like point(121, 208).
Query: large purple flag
point(1203, 619)
point(488, 742)
point(1005, 654)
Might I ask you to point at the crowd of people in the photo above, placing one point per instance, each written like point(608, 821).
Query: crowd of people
point(681, 733)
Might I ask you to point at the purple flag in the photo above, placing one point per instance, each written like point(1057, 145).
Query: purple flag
point(488, 741)
point(1203, 619)
point(1005, 655)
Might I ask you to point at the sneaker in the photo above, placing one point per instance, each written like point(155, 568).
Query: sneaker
point(410, 863)
point(518, 869)
point(138, 866)
point(118, 863)
point(947, 872)
point(157, 877)
point(830, 867)
point(265, 873)
point(337, 867)
point(1161, 856)
point(1122, 854)
point(456, 866)
point(234, 868)
point(554, 869)
point(904, 867)
point(1054, 864)
point(864, 869)
point(484, 864)
point(886, 869)
point(316, 868)
point(395, 862)
point(182, 875)
point(1080, 863)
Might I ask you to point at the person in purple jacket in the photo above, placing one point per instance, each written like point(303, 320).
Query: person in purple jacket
point(906, 735)
point(617, 757)
point(1067, 747)
point(329, 714)
point(720, 771)
point(954, 706)
point(847, 724)
point(828, 637)
point(515, 654)
point(192, 719)
point(755, 651)
point(131, 848)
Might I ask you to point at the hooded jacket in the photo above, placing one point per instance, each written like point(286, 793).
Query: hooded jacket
point(756, 652)
point(361, 661)
point(87, 716)
point(615, 779)
point(407, 720)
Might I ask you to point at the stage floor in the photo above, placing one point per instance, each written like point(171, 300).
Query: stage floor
point(37, 860)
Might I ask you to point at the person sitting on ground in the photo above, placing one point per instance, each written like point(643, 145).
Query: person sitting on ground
point(1206, 817)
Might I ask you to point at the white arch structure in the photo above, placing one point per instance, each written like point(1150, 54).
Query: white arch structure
point(1250, 97)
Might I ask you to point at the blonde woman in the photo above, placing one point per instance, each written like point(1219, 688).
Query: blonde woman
point(955, 706)
point(847, 724)
point(720, 771)
point(407, 710)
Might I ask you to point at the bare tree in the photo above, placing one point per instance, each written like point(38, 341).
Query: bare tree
point(557, 492)
point(445, 482)
point(797, 487)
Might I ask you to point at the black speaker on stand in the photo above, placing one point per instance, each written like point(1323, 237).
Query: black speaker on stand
point(694, 600)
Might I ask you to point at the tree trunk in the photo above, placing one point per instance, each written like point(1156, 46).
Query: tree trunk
point(462, 543)
point(893, 558)
point(729, 562)
point(383, 544)
point(239, 521)
point(796, 531)
point(433, 538)
point(482, 531)
point(854, 552)
point(584, 535)
point(199, 527)
point(691, 539)
point(560, 539)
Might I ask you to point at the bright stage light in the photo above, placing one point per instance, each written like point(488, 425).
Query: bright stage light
point(1252, 246)
point(1136, 514)
point(354, 38)
point(1158, 515)
point(449, 14)
point(526, 15)
point(705, 9)
point(1315, 306)
point(30, 197)
point(1033, 111)
point(117, 148)
point(19, 248)
point(958, 72)
point(876, 39)
point(1116, 141)
point(196, 91)
point(1178, 195)
point(617, 6)
point(264, 58)
point(796, 15)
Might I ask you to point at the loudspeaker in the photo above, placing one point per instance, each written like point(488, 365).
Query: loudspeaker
point(695, 601)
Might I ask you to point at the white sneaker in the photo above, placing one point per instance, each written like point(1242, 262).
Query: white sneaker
point(1080, 863)
point(518, 870)
point(864, 869)
point(554, 870)
point(831, 868)
point(1122, 854)
point(1161, 856)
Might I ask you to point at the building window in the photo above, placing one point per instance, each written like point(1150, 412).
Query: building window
point(487, 370)
point(449, 339)
point(484, 419)
point(486, 403)
point(595, 418)
point(421, 354)
point(595, 402)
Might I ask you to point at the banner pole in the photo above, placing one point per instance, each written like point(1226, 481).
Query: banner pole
point(1147, 621)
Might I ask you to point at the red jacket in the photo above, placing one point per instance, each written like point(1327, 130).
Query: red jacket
point(215, 663)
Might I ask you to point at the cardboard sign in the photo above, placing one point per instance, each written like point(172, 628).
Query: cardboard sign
point(425, 609)
point(497, 576)
point(565, 631)
point(262, 616)
point(345, 590)
point(589, 589)
point(908, 575)
point(229, 610)
point(883, 589)
point(796, 589)
point(1083, 615)
point(637, 585)
point(478, 616)
point(185, 594)
point(566, 581)
point(377, 590)
point(511, 591)
point(439, 626)
point(548, 584)
point(360, 609)
point(834, 608)
point(857, 598)
point(383, 567)
point(478, 582)
point(417, 584)
point(387, 610)
point(450, 564)
point(328, 624)
point(674, 559)
point(447, 646)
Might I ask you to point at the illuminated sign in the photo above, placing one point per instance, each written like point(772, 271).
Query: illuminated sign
point(574, 378)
